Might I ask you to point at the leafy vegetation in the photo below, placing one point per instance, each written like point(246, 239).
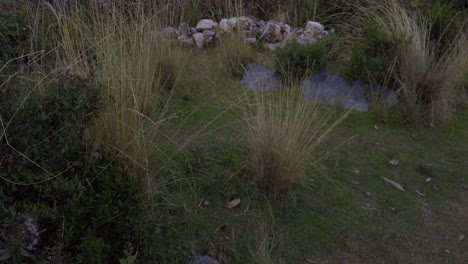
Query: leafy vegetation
point(119, 147)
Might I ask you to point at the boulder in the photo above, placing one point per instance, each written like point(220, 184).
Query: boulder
point(205, 24)
point(272, 33)
point(170, 32)
point(315, 28)
point(199, 40)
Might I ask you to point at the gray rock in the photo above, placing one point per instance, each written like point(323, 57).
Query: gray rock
point(205, 24)
point(251, 40)
point(315, 27)
point(272, 33)
point(331, 89)
point(170, 32)
point(232, 22)
point(184, 29)
point(186, 39)
point(202, 260)
point(209, 35)
point(306, 39)
point(199, 40)
point(259, 78)
point(224, 26)
point(273, 46)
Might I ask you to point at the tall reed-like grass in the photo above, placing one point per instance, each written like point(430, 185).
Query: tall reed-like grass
point(427, 77)
point(136, 68)
point(284, 131)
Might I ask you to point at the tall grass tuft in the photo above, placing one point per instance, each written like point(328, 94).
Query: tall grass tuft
point(283, 132)
point(137, 70)
point(427, 77)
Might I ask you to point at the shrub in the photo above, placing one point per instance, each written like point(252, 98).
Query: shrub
point(57, 203)
point(296, 61)
point(13, 29)
point(372, 55)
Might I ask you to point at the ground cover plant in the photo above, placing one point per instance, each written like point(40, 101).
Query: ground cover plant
point(118, 146)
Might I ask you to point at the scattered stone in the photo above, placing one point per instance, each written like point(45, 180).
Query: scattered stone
point(209, 35)
point(251, 40)
point(306, 39)
point(184, 29)
point(461, 237)
point(232, 22)
point(272, 46)
point(202, 260)
point(429, 179)
point(368, 194)
point(199, 40)
point(224, 26)
point(170, 32)
point(272, 33)
point(186, 39)
point(259, 78)
point(288, 39)
point(205, 24)
point(315, 28)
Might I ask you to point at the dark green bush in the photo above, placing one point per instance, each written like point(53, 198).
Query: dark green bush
point(79, 207)
point(446, 21)
point(296, 61)
point(14, 34)
point(372, 56)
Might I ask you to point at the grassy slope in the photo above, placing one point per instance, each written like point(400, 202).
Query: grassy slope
point(323, 218)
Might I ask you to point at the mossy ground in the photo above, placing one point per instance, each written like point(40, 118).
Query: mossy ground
point(328, 216)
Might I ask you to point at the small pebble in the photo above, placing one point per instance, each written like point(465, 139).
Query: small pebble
point(461, 237)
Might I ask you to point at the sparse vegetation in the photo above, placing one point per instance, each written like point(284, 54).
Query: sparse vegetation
point(120, 146)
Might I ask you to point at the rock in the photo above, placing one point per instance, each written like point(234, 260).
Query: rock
point(232, 22)
point(259, 78)
point(205, 24)
point(224, 26)
point(193, 30)
point(155, 35)
point(184, 29)
point(170, 32)
point(288, 39)
point(315, 27)
point(199, 40)
point(272, 33)
point(272, 46)
point(306, 39)
point(209, 35)
point(202, 260)
point(251, 40)
point(185, 39)
point(286, 29)
point(331, 89)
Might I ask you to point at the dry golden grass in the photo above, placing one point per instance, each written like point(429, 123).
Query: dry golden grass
point(284, 131)
point(427, 78)
point(136, 69)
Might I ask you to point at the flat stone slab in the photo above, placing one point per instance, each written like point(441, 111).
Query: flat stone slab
point(331, 89)
point(321, 87)
point(259, 78)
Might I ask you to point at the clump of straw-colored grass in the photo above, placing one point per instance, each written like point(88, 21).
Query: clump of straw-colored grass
point(283, 132)
point(136, 69)
point(427, 77)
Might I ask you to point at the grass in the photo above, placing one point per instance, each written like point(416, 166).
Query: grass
point(283, 132)
point(427, 80)
point(183, 131)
